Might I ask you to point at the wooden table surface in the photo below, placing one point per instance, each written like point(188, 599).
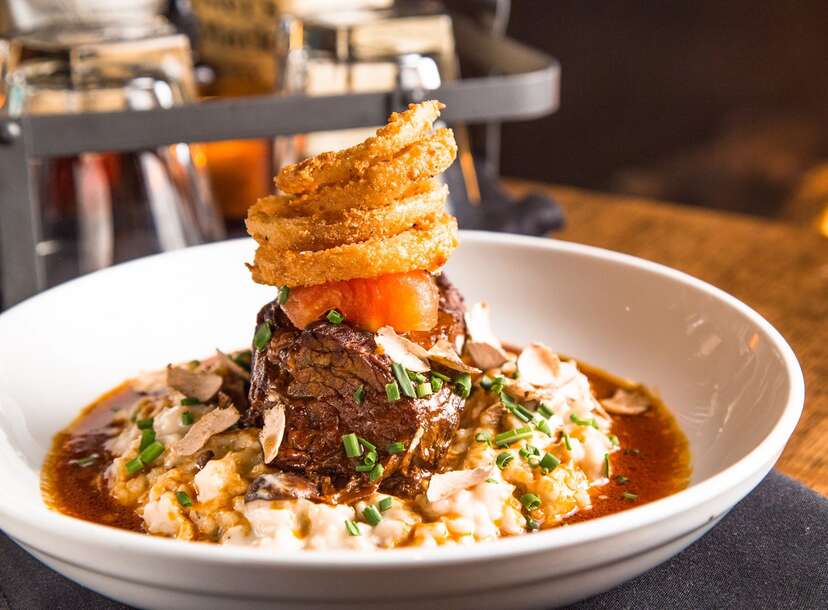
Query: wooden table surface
point(780, 270)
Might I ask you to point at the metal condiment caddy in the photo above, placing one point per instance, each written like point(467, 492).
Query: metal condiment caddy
point(521, 83)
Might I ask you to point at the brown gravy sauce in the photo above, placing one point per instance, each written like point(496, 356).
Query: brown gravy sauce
point(655, 460)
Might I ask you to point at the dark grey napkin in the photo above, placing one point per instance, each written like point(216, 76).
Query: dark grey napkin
point(771, 551)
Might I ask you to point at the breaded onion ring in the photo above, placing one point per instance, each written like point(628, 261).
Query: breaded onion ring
point(350, 226)
point(386, 181)
point(426, 246)
point(402, 129)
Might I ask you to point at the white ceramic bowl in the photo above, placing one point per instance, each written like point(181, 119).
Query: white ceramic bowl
point(732, 381)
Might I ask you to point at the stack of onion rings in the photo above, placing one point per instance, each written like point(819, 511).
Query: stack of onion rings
point(365, 211)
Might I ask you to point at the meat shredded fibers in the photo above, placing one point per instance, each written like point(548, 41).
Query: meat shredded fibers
point(317, 373)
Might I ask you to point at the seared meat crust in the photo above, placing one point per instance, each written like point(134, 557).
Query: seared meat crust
point(315, 374)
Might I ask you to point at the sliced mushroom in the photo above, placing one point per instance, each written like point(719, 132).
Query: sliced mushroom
point(523, 391)
point(412, 356)
point(214, 422)
point(272, 432)
point(447, 484)
point(281, 486)
point(483, 346)
point(626, 403)
point(539, 365)
point(203, 458)
point(149, 382)
point(232, 366)
point(202, 386)
point(443, 353)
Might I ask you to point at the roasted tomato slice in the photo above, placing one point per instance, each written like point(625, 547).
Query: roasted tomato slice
point(404, 301)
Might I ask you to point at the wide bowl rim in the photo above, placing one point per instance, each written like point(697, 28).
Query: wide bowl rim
point(71, 529)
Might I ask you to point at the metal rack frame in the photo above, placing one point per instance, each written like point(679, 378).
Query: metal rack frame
point(524, 83)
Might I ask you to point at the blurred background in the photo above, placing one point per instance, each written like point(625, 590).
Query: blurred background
point(709, 104)
point(715, 104)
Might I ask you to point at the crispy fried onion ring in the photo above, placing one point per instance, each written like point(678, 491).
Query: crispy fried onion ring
point(366, 211)
point(384, 182)
point(427, 246)
point(402, 129)
point(346, 227)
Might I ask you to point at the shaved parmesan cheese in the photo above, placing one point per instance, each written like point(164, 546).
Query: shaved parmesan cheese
point(539, 365)
point(447, 484)
point(272, 432)
point(443, 353)
point(202, 386)
point(401, 350)
point(483, 346)
point(626, 403)
point(214, 422)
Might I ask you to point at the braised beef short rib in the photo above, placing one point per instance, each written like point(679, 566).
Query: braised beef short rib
point(315, 374)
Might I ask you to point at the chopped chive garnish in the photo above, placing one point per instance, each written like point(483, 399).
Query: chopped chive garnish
point(189, 401)
point(463, 385)
point(583, 422)
point(351, 444)
point(262, 337)
point(486, 383)
point(516, 374)
point(366, 444)
point(621, 479)
point(284, 293)
point(334, 317)
point(151, 453)
point(483, 437)
point(439, 376)
point(542, 424)
point(364, 467)
point(392, 391)
point(530, 501)
point(372, 515)
point(403, 380)
point(545, 410)
point(352, 528)
point(183, 499)
point(195, 363)
point(436, 384)
point(511, 436)
point(519, 411)
point(528, 450)
point(497, 384)
point(567, 443)
point(424, 389)
point(85, 462)
point(415, 376)
point(186, 418)
point(143, 424)
point(614, 440)
point(549, 462)
point(532, 525)
point(491, 480)
point(376, 472)
point(359, 395)
point(533, 461)
point(395, 448)
point(370, 458)
point(503, 459)
point(134, 466)
point(607, 466)
point(147, 438)
point(385, 504)
point(630, 497)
